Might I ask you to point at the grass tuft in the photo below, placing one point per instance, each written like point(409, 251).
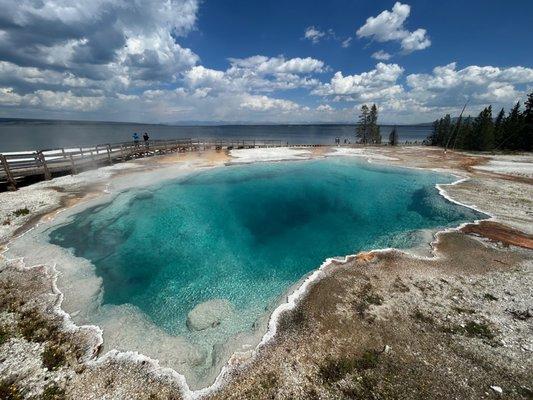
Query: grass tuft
point(374, 299)
point(489, 297)
point(292, 320)
point(479, 330)
point(35, 328)
point(4, 335)
point(53, 392)
point(21, 212)
point(420, 316)
point(9, 391)
point(335, 369)
point(472, 329)
point(53, 357)
point(269, 382)
point(462, 310)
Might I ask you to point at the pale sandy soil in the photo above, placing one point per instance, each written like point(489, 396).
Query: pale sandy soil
point(379, 326)
point(268, 154)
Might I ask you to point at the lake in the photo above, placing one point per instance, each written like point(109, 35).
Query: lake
point(37, 135)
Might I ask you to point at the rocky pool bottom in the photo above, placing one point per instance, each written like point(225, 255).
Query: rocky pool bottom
point(188, 271)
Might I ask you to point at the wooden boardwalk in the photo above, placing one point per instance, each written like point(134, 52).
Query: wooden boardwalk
point(18, 168)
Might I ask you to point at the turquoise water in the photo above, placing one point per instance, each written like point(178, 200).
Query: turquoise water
point(247, 233)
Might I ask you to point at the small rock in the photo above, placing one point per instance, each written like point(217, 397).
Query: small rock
point(209, 314)
point(387, 349)
point(497, 389)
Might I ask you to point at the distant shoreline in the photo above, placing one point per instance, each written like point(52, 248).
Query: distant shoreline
point(10, 121)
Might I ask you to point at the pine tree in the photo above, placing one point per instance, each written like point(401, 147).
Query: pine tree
point(483, 131)
point(512, 128)
point(375, 136)
point(362, 130)
point(444, 130)
point(498, 128)
point(511, 132)
point(527, 130)
point(464, 134)
point(432, 138)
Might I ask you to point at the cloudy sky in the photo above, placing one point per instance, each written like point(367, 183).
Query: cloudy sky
point(261, 61)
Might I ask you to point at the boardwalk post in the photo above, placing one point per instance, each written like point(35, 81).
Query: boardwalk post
point(73, 165)
point(109, 154)
point(42, 160)
point(11, 183)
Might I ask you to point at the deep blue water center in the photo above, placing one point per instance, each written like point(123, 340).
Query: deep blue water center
point(247, 233)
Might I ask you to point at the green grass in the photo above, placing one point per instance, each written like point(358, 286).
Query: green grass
point(4, 335)
point(334, 370)
point(292, 320)
point(35, 328)
point(53, 357)
point(269, 382)
point(374, 299)
point(462, 310)
point(21, 212)
point(9, 391)
point(472, 329)
point(420, 316)
point(478, 330)
point(490, 297)
point(53, 392)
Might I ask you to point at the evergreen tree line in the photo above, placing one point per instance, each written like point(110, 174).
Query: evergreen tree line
point(511, 131)
point(367, 130)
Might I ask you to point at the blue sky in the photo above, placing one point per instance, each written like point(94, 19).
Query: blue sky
point(268, 61)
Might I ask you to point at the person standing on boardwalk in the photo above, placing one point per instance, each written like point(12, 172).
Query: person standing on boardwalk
point(146, 137)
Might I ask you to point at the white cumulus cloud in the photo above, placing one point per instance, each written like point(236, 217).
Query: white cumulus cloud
point(389, 26)
point(324, 108)
point(376, 82)
point(381, 55)
point(264, 103)
point(313, 34)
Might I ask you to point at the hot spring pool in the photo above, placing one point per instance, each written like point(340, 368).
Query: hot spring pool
point(239, 237)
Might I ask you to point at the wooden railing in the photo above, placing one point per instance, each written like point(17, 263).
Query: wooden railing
point(43, 164)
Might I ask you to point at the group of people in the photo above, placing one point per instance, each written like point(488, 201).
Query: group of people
point(136, 138)
point(338, 141)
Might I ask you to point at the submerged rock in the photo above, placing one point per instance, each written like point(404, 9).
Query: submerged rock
point(209, 314)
